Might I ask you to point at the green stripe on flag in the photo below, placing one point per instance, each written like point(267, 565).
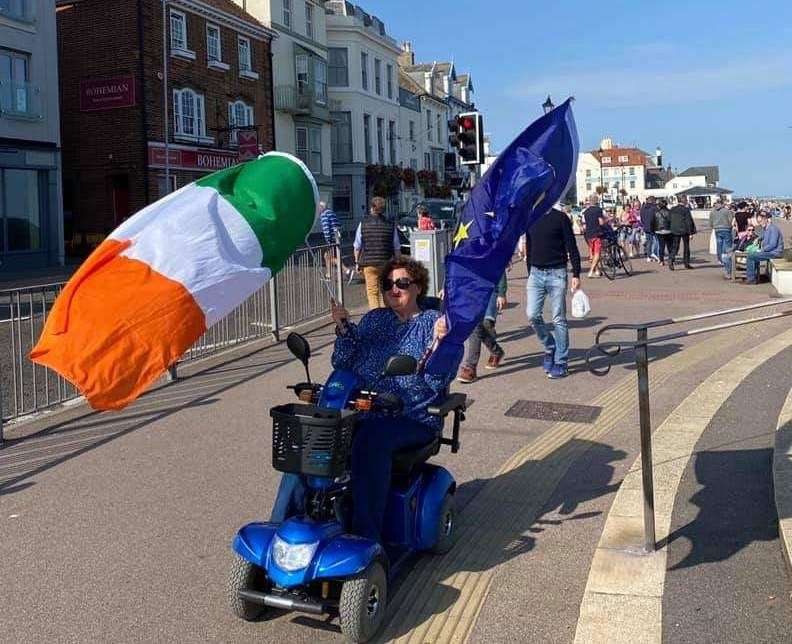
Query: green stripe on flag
point(277, 196)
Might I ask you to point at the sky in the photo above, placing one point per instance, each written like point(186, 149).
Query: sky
point(709, 81)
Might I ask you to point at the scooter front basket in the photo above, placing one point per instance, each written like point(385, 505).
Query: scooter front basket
point(311, 440)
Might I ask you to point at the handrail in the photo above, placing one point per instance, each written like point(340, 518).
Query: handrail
point(609, 350)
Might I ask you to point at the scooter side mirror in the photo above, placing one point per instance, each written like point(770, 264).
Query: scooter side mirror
point(400, 366)
point(300, 349)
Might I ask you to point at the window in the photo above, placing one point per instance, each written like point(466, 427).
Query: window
point(389, 72)
point(364, 70)
point(337, 67)
point(624, 159)
point(14, 76)
point(178, 30)
point(342, 195)
point(632, 185)
point(378, 76)
point(315, 163)
point(16, 9)
point(367, 137)
point(21, 210)
point(309, 20)
point(588, 187)
point(414, 164)
point(240, 114)
point(632, 172)
point(429, 124)
point(287, 13)
point(309, 147)
point(244, 55)
point(301, 70)
point(412, 130)
point(213, 43)
point(320, 80)
point(188, 114)
point(427, 160)
point(342, 137)
point(381, 140)
point(588, 173)
point(392, 142)
point(605, 172)
point(439, 128)
point(162, 185)
point(606, 159)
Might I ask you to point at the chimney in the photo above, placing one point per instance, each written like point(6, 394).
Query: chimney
point(658, 157)
point(407, 56)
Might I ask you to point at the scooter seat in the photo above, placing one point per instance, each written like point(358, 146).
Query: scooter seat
point(405, 460)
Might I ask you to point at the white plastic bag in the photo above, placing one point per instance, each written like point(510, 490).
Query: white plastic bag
point(581, 306)
point(713, 244)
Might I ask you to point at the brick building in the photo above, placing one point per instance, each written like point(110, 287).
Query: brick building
point(219, 102)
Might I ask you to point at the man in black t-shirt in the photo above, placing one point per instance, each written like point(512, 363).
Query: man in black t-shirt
point(549, 245)
point(594, 220)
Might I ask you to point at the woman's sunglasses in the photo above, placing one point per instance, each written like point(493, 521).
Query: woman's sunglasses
point(402, 283)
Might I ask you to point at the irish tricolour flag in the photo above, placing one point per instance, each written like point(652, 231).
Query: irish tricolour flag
point(149, 291)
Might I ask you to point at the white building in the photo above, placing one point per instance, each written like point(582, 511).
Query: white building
point(615, 172)
point(363, 82)
point(31, 211)
point(299, 78)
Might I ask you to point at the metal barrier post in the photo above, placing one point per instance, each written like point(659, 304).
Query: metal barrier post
point(273, 294)
point(642, 364)
point(340, 269)
point(1, 414)
point(172, 372)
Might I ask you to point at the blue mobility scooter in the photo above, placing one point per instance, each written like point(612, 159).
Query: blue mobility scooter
point(311, 563)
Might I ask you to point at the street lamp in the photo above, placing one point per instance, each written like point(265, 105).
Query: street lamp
point(548, 106)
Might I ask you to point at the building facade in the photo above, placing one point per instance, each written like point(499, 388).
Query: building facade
point(206, 91)
point(299, 69)
point(31, 220)
point(363, 86)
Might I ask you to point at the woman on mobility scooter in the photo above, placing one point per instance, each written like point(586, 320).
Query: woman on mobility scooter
point(401, 328)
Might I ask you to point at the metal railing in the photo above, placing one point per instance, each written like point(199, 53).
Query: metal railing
point(299, 293)
point(609, 350)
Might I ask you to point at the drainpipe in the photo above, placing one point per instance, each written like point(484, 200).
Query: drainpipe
point(272, 94)
point(143, 111)
point(166, 122)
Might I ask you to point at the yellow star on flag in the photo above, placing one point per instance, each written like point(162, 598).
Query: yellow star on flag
point(462, 233)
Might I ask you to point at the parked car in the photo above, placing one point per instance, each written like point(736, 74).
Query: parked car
point(443, 212)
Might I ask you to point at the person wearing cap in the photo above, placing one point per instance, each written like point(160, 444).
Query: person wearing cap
point(772, 248)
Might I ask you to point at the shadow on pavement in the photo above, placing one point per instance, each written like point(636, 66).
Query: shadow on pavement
point(23, 458)
point(736, 506)
point(511, 526)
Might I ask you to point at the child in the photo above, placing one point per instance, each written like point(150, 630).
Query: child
point(425, 219)
point(485, 333)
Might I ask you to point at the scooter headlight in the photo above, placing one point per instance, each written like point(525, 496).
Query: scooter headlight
point(292, 556)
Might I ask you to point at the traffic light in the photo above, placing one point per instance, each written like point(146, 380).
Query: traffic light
point(467, 137)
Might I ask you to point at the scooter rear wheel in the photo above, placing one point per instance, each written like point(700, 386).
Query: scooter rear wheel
point(363, 603)
point(446, 524)
point(246, 576)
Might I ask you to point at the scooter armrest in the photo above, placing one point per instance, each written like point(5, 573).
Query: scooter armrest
point(451, 403)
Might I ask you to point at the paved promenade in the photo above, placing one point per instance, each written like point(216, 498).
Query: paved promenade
point(116, 527)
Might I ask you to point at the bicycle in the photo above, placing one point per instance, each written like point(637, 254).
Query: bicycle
point(613, 256)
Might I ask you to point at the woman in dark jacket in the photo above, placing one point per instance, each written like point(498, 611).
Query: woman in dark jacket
point(661, 226)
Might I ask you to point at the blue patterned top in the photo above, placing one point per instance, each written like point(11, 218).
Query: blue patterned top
point(380, 334)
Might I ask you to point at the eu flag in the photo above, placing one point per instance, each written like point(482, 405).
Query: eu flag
point(523, 184)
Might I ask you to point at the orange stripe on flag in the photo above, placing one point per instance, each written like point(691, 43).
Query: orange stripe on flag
point(116, 327)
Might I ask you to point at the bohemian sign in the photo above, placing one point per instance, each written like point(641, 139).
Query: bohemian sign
point(107, 94)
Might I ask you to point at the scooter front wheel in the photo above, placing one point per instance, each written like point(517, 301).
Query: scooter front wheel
point(246, 576)
point(446, 523)
point(363, 603)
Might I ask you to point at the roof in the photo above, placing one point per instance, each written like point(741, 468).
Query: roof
point(442, 68)
point(409, 83)
point(711, 172)
point(634, 157)
point(701, 191)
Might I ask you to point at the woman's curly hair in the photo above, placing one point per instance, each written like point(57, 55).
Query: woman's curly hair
point(418, 273)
